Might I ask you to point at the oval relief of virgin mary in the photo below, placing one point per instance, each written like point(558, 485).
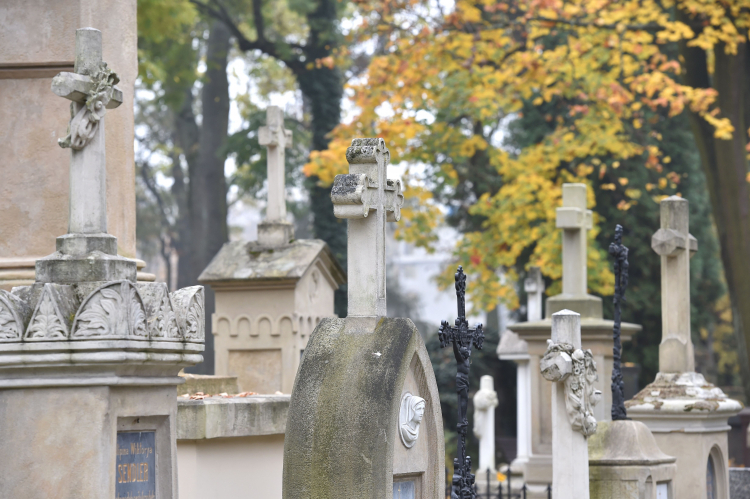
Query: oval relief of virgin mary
point(409, 418)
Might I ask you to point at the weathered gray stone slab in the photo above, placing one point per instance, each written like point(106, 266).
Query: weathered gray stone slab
point(739, 483)
point(217, 417)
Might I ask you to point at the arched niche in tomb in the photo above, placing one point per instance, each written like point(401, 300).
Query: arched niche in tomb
point(361, 383)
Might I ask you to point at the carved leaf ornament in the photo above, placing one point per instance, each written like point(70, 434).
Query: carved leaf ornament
point(115, 309)
point(84, 124)
point(8, 325)
point(46, 322)
point(576, 369)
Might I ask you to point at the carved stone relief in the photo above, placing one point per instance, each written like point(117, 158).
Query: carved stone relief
point(162, 320)
point(113, 310)
point(409, 418)
point(52, 316)
point(188, 303)
point(577, 370)
point(13, 312)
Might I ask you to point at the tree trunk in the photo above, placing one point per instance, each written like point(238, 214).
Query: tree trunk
point(726, 168)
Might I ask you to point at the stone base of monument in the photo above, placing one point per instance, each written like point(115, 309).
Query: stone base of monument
point(586, 305)
point(275, 233)
point(231, 447)
point(688, 418)
point(626, 462)
point(353, 430)
point(87, 385)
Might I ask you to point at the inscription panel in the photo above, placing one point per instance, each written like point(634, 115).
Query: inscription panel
point(136, 465)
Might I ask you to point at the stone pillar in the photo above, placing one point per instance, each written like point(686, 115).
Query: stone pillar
point(572, 372)
point(687, 415)
point(37, 42)
point(88, 356)
point(485, 402)
point(596, 335)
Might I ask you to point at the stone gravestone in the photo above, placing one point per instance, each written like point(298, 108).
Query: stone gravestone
point(88, 357)
point(596, 335)
point(272, 292)
point(573, 374)
point(485, 402)
point(364, 418)
point(686, 414)
point(36, 43)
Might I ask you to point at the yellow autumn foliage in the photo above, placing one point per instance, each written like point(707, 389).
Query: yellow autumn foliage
point(451, 77)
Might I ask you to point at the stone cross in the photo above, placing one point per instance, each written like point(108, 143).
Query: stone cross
point(91, 90)
point(575, 220)
point(275, 138)
point(367, 198)
point(485, 401)
point(674, 244)
point(572, 372)
point(534, 287)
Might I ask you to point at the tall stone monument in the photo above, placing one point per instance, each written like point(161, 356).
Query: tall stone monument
point(573, 373)
point(596, 335)
point(272, 292)
point(512, 347)
point(687, 415)
point(89, 357)
point(36, 43)
point(364, 418)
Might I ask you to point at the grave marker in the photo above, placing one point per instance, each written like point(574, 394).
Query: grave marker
point(573, 373)
point(275, 229)
point(87, 354)
point(364, 418)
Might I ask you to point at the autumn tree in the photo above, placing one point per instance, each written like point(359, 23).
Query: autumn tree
point(308, 54)
point(450, 75)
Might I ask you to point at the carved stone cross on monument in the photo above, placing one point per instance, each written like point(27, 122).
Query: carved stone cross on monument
point(534, 287)
point(368, 199)
point(675, 245)
point(275, 230)
point(87, 252)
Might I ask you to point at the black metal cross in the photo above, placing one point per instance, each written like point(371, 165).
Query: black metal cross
point(620, 252)
point(462, 337)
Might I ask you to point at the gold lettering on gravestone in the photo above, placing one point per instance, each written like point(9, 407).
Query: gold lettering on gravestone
point(136, 465)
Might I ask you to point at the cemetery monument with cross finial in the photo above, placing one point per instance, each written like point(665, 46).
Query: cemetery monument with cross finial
point(596, 335)
point(38, 44)
point(270, 293)
point(364, 418)
point(687, 415)
point(88, 356)
point(624, 459)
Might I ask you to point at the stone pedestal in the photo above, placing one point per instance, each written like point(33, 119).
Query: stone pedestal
point(688, 418)
point(37, 42)
point(82, 365)
point(626, 463)
point(268, 301)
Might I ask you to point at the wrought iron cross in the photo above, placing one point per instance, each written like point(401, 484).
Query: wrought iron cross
point(620, 253)
point(462, 337)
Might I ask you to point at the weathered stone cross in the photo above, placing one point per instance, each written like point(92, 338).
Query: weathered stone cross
point(368, 199)
point(575, 220)
point(675, 245)
point(276, 139)
point(91, 88)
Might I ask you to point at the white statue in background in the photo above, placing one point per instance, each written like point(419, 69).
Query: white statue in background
point(409, 418)
point(485, 401)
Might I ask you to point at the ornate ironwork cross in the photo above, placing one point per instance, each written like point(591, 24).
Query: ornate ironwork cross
point(620, 253)
point(463, 338)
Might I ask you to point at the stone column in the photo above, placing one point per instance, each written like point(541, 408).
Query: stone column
point(568, 367)
point(38, 43)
